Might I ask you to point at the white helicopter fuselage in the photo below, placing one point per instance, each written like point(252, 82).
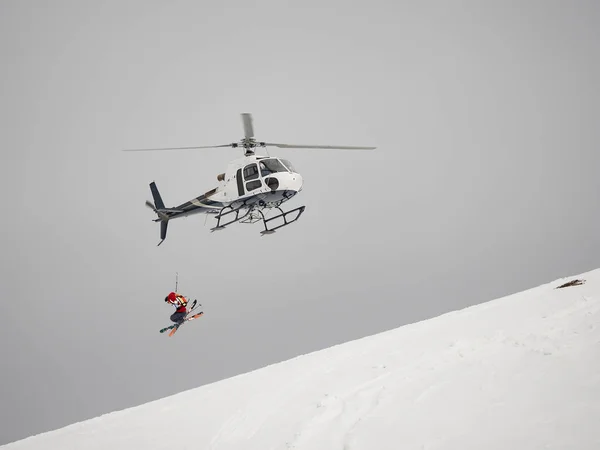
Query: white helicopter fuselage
point(249, 182)
point(261, 180)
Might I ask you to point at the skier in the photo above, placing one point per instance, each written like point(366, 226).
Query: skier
point(181, 313)
point(180, 303)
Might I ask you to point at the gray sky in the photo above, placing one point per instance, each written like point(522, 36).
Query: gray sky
point(484, 182)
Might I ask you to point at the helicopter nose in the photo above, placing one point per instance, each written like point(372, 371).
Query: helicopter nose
point(285, 182)
point(297, 182)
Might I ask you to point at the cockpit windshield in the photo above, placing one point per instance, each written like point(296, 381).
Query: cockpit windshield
point(271, 165)
point(288, 165)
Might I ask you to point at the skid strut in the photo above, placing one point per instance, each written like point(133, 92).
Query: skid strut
point(232, 210)
point(284, 214)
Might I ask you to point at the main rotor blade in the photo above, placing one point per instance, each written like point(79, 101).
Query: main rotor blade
point(332, 147)
point(248, 128)
point(175, 148)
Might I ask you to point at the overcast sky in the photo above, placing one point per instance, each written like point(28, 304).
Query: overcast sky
point(484, 182)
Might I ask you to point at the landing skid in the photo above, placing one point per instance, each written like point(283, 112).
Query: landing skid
point(284, 214)
point(251, 215)
point(223, 212)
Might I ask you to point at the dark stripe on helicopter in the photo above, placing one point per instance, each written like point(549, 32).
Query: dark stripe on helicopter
point(201, 202)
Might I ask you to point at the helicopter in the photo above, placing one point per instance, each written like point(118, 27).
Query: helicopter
point(250, 186)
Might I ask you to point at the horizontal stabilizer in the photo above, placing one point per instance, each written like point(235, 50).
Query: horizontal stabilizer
point(169, 210)
point(160, 213)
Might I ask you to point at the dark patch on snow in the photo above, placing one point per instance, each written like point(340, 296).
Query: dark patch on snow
point(571, 283)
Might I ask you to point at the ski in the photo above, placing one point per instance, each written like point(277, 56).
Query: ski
point(175, 326)
point(195, 316)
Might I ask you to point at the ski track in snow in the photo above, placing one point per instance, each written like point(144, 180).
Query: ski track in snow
point(338, 415)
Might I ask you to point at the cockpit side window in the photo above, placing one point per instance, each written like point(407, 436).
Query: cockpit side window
point(250, 172)
point(251, 185)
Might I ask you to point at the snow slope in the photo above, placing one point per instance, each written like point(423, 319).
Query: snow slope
point(520, 372)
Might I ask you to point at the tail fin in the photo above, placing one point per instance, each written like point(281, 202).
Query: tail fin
point(156, 195)
point(159, 208)
point(163, 231)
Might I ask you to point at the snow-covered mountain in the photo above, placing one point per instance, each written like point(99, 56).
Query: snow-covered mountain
point(520, 372)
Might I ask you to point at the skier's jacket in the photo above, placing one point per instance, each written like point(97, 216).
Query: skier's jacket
point(178, 300)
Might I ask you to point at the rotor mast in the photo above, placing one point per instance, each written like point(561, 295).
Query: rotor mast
point(249, 143)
